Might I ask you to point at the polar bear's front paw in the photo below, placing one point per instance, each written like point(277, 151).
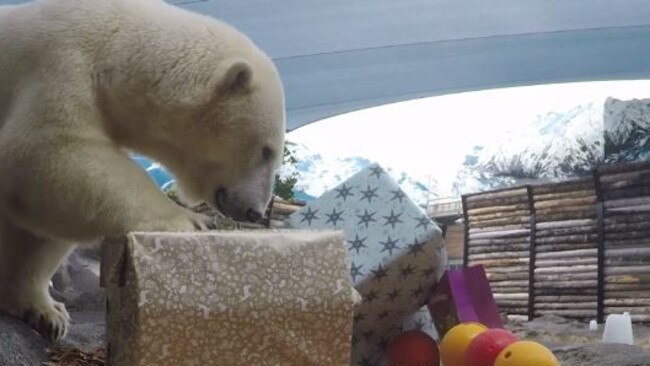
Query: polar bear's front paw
point(49, 318)
point(202, 222)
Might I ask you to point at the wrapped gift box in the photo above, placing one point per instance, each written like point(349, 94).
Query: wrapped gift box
point(421, 320)
point(396, 252)
point(228, 298)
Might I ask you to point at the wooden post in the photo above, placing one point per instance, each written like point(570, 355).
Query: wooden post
point(466, 231)
point(531, 263)
point(600, 208)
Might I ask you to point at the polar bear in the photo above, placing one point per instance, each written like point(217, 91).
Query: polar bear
point(82, 83)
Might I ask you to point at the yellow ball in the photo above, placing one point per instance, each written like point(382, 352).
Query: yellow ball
point(526, 353)
point(454, 344)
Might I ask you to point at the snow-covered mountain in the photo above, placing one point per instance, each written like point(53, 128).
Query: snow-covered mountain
point(318, 173)
point(554, 145)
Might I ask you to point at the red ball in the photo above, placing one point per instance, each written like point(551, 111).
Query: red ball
point(413, 348)
point(485, 348)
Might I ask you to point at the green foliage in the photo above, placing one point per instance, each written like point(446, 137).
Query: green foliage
point(284, 186)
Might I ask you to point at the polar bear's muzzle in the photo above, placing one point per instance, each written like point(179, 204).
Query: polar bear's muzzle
point(230, 206)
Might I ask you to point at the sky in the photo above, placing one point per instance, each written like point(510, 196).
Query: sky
point(429, 137)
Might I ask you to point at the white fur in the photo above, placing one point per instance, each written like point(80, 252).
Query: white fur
point(82, 82)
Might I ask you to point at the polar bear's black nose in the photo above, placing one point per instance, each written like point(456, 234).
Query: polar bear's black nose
point(253, 215)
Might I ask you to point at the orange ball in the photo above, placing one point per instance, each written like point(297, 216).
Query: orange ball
point(453, 347)
point(526, 353)
point(413, 348)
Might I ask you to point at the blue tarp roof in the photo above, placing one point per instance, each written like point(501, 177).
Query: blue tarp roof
point(342, 55)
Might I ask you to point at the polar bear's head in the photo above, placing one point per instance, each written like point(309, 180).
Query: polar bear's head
point(202, 99)
point(228, 153)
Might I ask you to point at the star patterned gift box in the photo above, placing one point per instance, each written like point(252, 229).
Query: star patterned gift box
point(396, 252)
point(233, 298)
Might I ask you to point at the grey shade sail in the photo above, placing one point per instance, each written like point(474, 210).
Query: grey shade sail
point(337, 56)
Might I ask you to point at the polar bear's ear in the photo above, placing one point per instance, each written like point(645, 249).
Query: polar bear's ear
point(238, 77)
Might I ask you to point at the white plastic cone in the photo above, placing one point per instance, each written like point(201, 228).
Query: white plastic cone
point(618, 329)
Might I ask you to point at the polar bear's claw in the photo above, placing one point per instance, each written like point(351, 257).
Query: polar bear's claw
point(203, 222)
point(49, 321)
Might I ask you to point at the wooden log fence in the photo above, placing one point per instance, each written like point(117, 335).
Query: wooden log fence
point(577, 248)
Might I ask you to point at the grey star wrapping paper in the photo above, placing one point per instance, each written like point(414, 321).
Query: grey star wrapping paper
point(228, 298)
point(397, 255)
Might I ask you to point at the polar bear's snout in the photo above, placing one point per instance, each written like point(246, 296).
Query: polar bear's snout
point(230, 204)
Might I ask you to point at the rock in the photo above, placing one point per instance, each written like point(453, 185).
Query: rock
point(19, 345)
point(87, 330)
point(76, 283)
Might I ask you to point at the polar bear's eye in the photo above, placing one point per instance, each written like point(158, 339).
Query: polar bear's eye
point(267, 154)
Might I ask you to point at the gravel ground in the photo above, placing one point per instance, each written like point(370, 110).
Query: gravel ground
point(20, 346)
point(575, 345)
point(571, 341)
point(77, 285)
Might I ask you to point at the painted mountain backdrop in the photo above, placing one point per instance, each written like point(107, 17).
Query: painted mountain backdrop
point(627, 126)
point(554, 145)
point(560, 145)
point(318, 173)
